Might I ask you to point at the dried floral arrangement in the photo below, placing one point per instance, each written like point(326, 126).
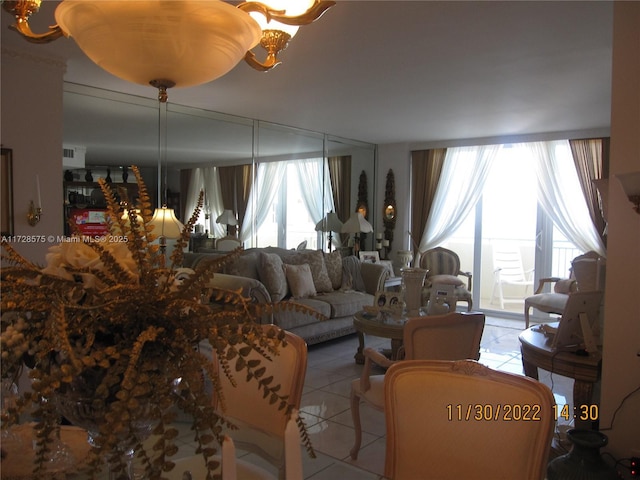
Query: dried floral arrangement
point(112, 325)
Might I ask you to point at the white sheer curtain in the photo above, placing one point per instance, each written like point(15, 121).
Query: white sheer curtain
point(560, 194)
point(268, 180)
point(310, 177)
point(206, 179)
point(464, 173)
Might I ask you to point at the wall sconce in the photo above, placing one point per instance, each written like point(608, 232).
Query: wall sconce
point(34, 213)
point(631, 185)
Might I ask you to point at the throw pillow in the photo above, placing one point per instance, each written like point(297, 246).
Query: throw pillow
point(565, 286)
point(333, 261)
point(246, 265)
point(315, 260)
point(300, 280)
point(272, 275)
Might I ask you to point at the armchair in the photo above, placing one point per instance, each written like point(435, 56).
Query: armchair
point(453, 336)
point(587, 274)
point(443, 267)
point(429, 436)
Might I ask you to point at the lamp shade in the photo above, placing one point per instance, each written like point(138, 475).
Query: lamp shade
point(330, 223)
point(356, 224)
point(188, 42)
point(227, 218)
point(166, 224)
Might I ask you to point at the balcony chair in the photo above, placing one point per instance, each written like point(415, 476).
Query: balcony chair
point(262, 427)
point(508, 270)
point(453, 336)
point(587, 274)
point(443, 267)
point(442, 421)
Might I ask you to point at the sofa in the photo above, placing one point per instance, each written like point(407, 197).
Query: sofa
point(335, 286)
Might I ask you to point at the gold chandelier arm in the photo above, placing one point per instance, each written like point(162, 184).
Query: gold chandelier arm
point(314, 12)
point(22, 10)
point(22, 27)
point(270, 63)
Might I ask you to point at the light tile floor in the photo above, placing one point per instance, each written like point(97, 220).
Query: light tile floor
point(326, 412)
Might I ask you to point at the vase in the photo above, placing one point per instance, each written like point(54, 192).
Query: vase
point(404, 258)
point(412, 283)
point(583, 462)
point(83, 412)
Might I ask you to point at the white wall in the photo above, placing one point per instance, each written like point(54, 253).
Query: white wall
point(32, 128)
point(621, 360)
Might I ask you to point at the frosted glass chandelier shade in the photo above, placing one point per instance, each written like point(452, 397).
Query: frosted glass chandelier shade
point(187, 42)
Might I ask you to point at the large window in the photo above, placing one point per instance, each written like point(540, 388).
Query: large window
point(298, 204)
point(508, 221)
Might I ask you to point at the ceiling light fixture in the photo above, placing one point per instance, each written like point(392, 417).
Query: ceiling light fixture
point(189, 42)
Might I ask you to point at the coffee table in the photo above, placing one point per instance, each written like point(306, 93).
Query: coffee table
point(379, 326)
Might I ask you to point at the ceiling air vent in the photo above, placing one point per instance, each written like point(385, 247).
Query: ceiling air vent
point(73, 156)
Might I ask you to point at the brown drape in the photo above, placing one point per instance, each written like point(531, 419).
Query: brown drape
point(591, 157)
point(426, 167)
point(340, 177)
point(235, 186)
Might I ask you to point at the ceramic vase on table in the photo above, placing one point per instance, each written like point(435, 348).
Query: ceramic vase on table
point(412, 283)
point(583, 462)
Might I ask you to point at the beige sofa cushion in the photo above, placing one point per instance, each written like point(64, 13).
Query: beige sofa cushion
point(300, 280)
point(345, 304)
point(333, 262)
point(245, 265)
point(315, 260)
point(271, 271)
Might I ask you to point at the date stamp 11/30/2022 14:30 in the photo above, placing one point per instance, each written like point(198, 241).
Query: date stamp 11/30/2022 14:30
point(518, 412)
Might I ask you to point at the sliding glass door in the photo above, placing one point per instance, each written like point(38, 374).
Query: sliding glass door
point(508, 242)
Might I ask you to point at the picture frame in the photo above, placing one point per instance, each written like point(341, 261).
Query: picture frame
point(388, 301)
point(6, 191)
point(370, 256)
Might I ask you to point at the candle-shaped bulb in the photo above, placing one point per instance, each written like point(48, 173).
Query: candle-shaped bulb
point(38, 191)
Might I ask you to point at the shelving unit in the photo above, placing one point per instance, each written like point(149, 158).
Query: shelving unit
point(85, 204)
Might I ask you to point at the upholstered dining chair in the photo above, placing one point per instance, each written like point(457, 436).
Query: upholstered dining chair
point(453, 336)
point(229, 468)
point(226, 244)
point(261, 425)
point(587, 274)
point(449, 419)
point(443, 267)
point(232, 468)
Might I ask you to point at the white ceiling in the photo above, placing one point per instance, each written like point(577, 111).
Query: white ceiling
point(399, 71)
